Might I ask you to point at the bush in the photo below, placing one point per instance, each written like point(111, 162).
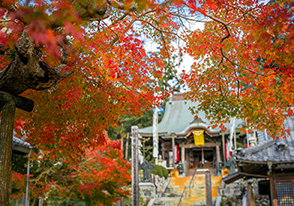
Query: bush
point(240, 145)
point(160, 171)
point(230, 201)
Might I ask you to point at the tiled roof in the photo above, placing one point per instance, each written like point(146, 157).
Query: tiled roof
point(178, 119)
point(19, 142)
point(20, 146)
point(267, 148)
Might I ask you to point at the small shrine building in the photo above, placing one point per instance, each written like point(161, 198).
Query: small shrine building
point(20, 147)
point(192, 141)
point(271, 161)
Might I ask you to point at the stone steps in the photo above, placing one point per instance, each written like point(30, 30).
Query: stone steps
point(167, 201)
point(174, 201)
point(194, 194)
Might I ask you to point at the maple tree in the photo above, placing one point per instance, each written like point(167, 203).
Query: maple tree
point(88, 57)
point(89, 60)
point(244, 66)
point(99, 177)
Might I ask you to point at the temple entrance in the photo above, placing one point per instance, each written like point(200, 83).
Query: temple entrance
point(204, 159)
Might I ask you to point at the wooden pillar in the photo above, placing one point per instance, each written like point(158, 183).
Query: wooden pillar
point(173, 148)
point(162, 150)
point(250, 199)
point(183, 158)
point(249, 189)
point(187, 159)
point(8, 103)
point(273, 189)
point(224, 145)
point(135, 173)
point(6, 134)
point(202, 155)
point(208, 188)
point(217, 158)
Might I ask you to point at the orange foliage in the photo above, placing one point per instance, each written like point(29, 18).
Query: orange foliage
point(243, 67)
point(244, 64)
point(100, 176)
point(113, 75)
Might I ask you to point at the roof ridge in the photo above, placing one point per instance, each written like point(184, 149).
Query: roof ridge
point(258, 148)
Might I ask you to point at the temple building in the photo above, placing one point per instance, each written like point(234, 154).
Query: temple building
point(189, 140)
point(271, 161)
point(20, 147)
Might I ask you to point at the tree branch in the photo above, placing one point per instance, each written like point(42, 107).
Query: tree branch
point(122, 6)
point(235, 64)
point(32, 73)
point(225, 24)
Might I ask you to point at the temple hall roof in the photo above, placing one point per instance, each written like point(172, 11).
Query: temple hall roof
point(179, 120)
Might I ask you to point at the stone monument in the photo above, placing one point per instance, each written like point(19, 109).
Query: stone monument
point(146, 166)
point(147, 188)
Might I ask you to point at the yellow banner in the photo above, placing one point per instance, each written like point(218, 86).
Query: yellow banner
point(198, 137)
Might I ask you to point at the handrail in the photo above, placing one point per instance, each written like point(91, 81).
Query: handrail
point(189, 185)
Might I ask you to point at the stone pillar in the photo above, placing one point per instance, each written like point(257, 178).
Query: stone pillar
point(135, 174)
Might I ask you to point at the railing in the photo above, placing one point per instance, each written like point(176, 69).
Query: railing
point(189, 186)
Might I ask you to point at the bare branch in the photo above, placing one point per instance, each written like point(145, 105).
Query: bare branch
point(122, 6)
point(225, 24)
point(184, 17)
point(244, 13)
point(5, 20)
point(235, 64)
point(160, 30)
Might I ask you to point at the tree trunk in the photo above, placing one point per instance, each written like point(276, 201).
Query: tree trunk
point(27, 71)
point(6, 134)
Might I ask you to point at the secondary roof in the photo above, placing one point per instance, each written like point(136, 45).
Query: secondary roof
point(20, 147)
point(269, 149)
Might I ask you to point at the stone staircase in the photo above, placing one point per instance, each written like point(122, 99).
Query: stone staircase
point(194, 195)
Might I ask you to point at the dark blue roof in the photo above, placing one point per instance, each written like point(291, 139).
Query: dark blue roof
point(268, 149)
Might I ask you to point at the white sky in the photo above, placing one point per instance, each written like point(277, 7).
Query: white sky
point(187, 59)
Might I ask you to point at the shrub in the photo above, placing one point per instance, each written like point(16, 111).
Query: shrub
point(160, 171)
